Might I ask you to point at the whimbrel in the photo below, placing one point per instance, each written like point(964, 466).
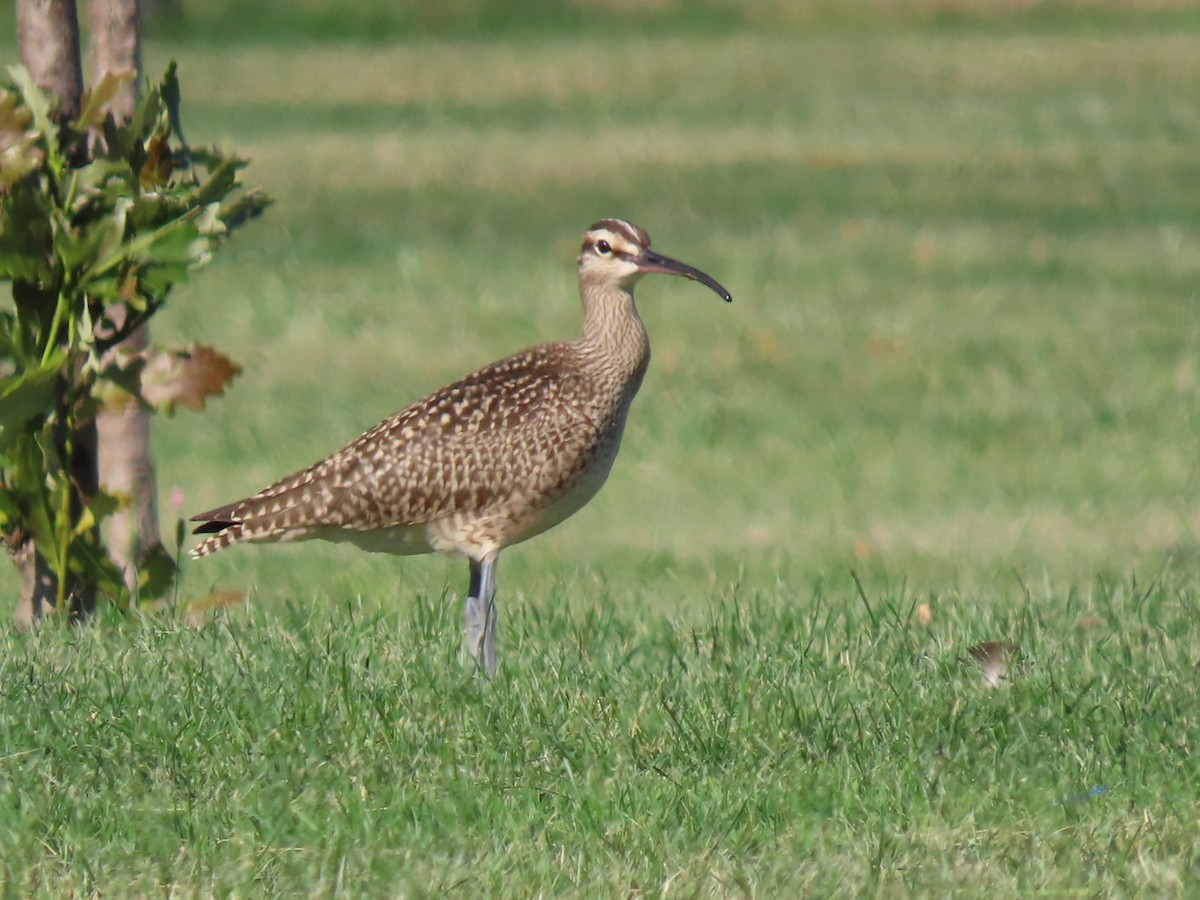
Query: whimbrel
point(488, 461)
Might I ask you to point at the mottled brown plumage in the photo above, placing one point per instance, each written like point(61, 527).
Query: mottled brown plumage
point(488, 461)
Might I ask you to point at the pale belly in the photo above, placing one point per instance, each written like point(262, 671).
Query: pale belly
point(406, 540)
point(516, 520)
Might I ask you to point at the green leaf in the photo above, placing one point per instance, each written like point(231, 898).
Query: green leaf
point(99, 186)
point(118, 140)
point(154, 210)
point(169, 89)
point(180, 245)
point(156, 573)
point(39, 521)
point(99, 239)
point(120, 381)
point(177, 244)
point(27, 397)
point(244, 208)
point(10, 510)
point(98, 509)
point(219, 183)
point(92, 564)
point(25, 237)
point(10, 347)
point(95, 107)
point(147, 117)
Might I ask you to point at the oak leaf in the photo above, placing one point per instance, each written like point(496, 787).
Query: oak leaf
point(185, 377)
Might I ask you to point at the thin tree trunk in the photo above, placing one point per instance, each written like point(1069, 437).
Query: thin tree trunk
point(116, 47)
point(127, 471)
point(126, 465)
point(39, 587)
point(48, 46)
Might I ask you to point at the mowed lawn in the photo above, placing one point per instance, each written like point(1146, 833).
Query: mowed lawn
point(955, 400)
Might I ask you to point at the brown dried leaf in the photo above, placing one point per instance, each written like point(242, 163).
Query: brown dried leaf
point(15, 122)
point(19, 153)
point(158, 166)
point(187, 377)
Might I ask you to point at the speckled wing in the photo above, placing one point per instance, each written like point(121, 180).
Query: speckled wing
point(519, 425)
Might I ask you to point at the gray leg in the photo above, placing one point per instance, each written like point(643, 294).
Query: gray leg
point(479, 616)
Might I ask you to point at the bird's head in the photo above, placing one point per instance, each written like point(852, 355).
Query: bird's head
point(616, 252)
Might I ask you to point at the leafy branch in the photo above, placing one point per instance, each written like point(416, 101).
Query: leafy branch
point(99, 220)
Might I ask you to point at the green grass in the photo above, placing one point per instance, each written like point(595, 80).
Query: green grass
point(762, 745)
point(963, 362)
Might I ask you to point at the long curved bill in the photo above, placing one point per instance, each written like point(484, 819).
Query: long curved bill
point(650, 262)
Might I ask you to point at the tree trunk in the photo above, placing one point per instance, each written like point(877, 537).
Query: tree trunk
point(116, 47)
point(48, 45)
point(127, 471)
point(39, 587)
point(126, 466)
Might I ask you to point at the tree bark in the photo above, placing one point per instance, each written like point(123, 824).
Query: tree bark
point(127, 471)
point(116, 47)
point(39, 587)
point(48, 46)
point(126, 465)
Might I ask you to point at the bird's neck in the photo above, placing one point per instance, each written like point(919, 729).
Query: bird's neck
point(613, 334)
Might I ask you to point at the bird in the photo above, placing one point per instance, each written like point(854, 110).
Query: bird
point(489, 461)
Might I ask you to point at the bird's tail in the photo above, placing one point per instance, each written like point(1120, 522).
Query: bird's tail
point(282, 512)
point(221, 534)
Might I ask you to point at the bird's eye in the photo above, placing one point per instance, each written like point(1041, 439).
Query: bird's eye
point(603, 248)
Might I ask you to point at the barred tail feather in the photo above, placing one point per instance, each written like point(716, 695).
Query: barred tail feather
point(250, 526)
point(229, 534)
point(281, 512)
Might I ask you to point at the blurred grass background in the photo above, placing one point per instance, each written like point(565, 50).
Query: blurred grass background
point(960, 236)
